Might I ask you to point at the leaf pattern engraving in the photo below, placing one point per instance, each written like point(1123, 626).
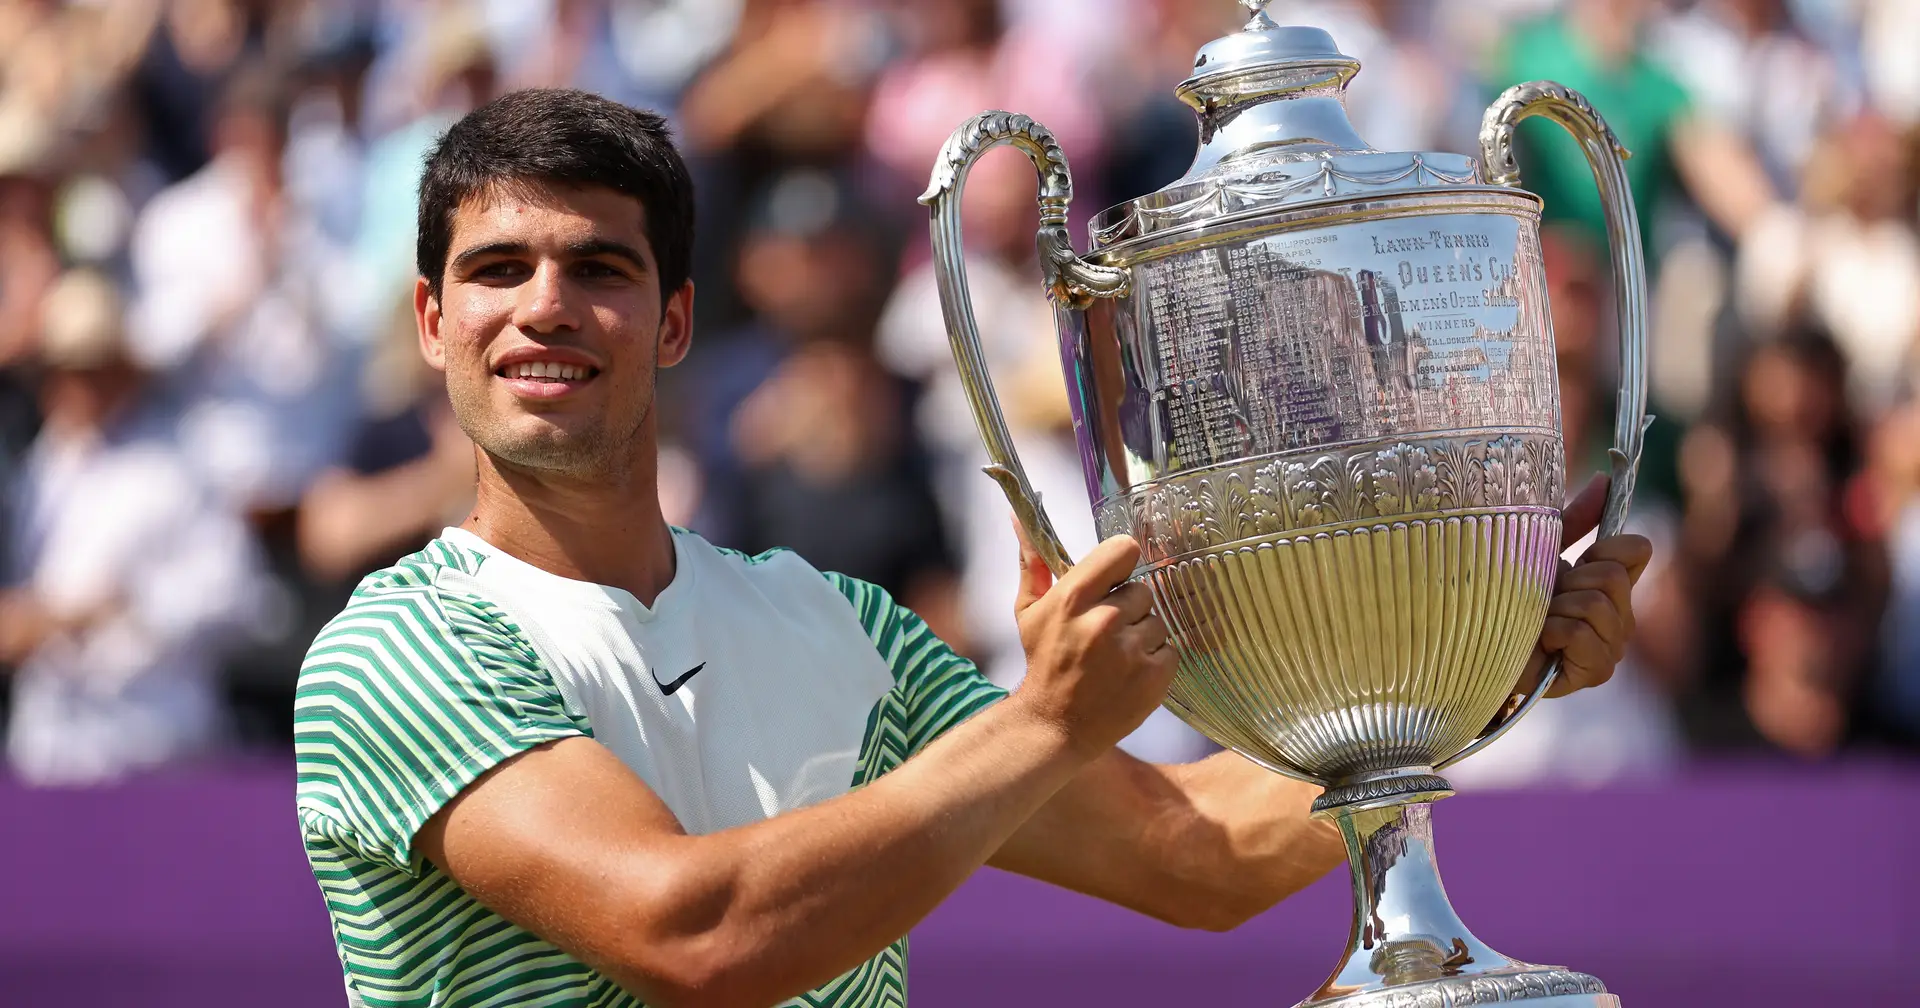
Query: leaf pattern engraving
point(1404, 481)
point(1306, 504)
point(1274, 496)
point(1503, 453)
point(1266, 501)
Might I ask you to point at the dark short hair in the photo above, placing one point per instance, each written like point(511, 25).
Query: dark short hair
point(567, 138)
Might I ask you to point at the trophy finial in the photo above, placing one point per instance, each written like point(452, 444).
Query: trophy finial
point(1258, 8)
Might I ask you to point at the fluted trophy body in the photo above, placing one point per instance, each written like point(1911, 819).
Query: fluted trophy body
point(1317, 382)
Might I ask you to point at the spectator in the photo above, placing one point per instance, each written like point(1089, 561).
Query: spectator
point(1787, 577)
point(1598, 48)
point(407, 474)
point(1847, 256)
point(1412, 93)
point(801, 433)
point(131, 576)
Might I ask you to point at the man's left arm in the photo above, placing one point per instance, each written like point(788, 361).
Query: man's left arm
point(1201, 845)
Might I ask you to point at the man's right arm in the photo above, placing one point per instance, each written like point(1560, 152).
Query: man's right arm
point(567, 842)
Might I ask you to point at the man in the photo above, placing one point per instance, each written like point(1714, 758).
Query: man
point(567, 755)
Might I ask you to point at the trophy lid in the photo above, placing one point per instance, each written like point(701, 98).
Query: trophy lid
point(1274, 133)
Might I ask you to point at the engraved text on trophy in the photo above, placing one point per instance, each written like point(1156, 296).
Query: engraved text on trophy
point(1319, 337)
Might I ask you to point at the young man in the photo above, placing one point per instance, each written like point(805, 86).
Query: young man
point(567, 755)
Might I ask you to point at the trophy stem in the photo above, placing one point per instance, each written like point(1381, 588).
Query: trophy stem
point(1406, 934)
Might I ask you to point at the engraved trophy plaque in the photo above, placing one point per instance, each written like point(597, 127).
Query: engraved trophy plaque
point(1316, 381)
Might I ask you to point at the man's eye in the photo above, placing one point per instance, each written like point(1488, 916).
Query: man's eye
point(595, 270)
point(499, 270)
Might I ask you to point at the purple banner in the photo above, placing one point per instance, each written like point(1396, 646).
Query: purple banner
point(1760, 887)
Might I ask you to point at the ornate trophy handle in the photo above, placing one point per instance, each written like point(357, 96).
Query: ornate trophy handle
point(1070, 281)
point(1605, 156)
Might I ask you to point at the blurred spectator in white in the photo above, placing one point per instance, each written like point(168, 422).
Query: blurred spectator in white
point(130, 574)
point(325, 162)
point(1412, 92)
point(1748, 69)
point(233, 294)
point(1846, 256)
point(1889, 34)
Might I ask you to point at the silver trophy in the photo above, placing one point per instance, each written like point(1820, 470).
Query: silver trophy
point(1317, 382)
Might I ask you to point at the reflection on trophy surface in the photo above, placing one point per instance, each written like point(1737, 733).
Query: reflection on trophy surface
point(1316, 382)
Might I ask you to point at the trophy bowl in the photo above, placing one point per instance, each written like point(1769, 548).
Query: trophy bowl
point(1316, 381)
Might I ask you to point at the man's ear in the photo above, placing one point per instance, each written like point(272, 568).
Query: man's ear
point(426, 317)
point(676, 327)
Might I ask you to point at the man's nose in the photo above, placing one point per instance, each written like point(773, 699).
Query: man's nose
point(546, 303)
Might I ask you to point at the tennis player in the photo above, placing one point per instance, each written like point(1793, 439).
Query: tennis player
point(568, 755)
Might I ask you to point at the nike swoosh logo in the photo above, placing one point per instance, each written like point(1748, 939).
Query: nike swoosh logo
point(668, 689)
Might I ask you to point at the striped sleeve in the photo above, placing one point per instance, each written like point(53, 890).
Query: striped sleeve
point(938, 688)
point(404, 699)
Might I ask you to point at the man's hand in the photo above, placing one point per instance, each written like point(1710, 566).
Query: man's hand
point(1098, 656)
point(1590, 619)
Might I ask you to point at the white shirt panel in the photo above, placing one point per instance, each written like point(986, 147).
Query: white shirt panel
point(773, 720)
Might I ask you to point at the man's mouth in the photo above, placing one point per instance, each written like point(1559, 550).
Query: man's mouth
point(548, 371)
point(545, 379)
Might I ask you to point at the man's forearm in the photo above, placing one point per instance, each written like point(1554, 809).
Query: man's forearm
point(766, 911)
point(1204, 845)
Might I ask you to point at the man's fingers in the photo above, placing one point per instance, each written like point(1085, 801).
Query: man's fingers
point(1582, 513)
point(1035, 576)
point(1608, 577)
point(1632, 552)
point(1149, 634)
point(1590, 635)
point(1106, 567)
point(1133, 602)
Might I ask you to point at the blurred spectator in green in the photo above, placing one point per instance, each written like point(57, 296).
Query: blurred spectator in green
point(1598, 48)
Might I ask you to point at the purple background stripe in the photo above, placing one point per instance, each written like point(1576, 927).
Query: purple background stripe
point(1757, 886)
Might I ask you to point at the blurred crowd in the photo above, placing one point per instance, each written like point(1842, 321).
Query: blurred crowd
point(213, 419)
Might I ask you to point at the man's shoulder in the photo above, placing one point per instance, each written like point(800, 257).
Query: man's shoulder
point(424, 609)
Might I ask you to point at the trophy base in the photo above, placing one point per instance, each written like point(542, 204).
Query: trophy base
point(1423, 995)
point(1529, 989)
point(1408, 949)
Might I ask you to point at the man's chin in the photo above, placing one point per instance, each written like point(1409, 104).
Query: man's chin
point(539, 445)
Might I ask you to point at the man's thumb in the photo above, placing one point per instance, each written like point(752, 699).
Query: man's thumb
point(1035, 576)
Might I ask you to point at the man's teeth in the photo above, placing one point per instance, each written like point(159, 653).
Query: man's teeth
point(547, 369)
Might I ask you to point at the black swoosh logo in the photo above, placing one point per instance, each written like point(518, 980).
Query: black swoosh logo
point(668, 689)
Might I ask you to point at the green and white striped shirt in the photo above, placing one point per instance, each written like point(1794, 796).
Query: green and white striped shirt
point(753, 686)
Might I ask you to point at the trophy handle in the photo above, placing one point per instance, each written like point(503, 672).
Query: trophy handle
point(1606, 157)
point(1070, 281)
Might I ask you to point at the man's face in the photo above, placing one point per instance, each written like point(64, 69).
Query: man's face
point(550, 327)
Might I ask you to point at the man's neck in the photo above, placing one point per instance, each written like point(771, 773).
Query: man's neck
point(608, 531)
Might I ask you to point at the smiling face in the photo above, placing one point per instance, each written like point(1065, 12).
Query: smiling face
point(551, 326)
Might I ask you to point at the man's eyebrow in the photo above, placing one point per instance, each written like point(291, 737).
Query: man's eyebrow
point(607, 247)
point(466, 258)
